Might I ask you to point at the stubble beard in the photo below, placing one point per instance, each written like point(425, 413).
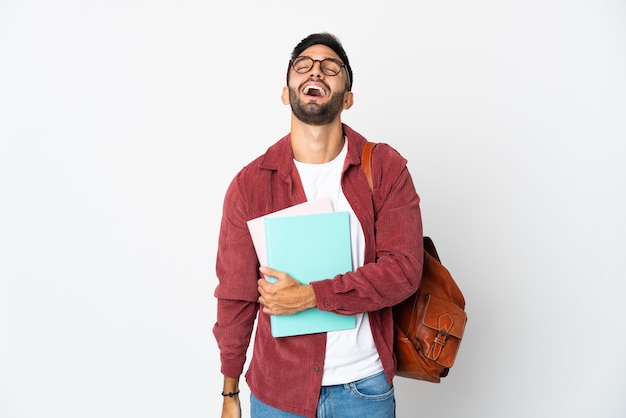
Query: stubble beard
point(313, 113)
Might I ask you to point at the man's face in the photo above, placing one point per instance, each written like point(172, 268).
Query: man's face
point(315, 97)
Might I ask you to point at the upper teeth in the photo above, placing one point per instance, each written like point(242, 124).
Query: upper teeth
point(309, 88)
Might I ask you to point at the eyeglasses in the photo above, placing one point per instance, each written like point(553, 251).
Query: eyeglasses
point(329, 66)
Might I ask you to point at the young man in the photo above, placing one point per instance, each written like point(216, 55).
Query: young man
point(347, 372)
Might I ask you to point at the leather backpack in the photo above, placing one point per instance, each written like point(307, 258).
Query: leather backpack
point(429, 325)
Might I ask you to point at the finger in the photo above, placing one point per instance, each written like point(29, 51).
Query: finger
point(268, 271)
point(263, 291)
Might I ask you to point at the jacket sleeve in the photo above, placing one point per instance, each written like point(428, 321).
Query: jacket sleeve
point(236, 292)
point(396, 270)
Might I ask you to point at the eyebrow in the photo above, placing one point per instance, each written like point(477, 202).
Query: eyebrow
point(326, 58)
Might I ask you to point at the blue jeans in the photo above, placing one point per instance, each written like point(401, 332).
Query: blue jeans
point(369, 397)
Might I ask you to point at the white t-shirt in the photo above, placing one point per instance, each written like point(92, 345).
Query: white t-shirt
point(350, 354)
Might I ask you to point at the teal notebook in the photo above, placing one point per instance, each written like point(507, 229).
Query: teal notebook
point(309, 247)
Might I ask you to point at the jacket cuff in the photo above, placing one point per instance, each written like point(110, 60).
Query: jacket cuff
point(324, 296)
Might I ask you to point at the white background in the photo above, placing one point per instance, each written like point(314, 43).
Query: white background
point(122, 123)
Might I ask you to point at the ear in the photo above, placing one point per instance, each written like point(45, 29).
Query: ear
point(348, 100)
point(285, 95)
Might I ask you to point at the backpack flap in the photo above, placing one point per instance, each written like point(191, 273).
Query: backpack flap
point(444, 324)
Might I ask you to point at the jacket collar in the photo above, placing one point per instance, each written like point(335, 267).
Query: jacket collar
point(280, 156)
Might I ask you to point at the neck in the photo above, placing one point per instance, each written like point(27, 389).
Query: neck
point(316, 144)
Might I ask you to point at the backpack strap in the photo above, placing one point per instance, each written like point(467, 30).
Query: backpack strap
point(366, 163)
point(366, 166)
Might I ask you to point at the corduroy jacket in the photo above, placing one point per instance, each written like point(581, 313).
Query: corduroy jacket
point(286, 373)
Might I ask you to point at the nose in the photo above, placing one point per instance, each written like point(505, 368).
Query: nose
point(316, 69)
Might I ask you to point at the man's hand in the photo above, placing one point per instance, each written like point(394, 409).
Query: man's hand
point(231, 408)
point(286, 295)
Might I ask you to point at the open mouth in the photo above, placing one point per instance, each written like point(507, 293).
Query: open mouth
point(314, 91)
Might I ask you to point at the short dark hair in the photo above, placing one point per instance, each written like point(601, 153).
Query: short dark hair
point(328, 40)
